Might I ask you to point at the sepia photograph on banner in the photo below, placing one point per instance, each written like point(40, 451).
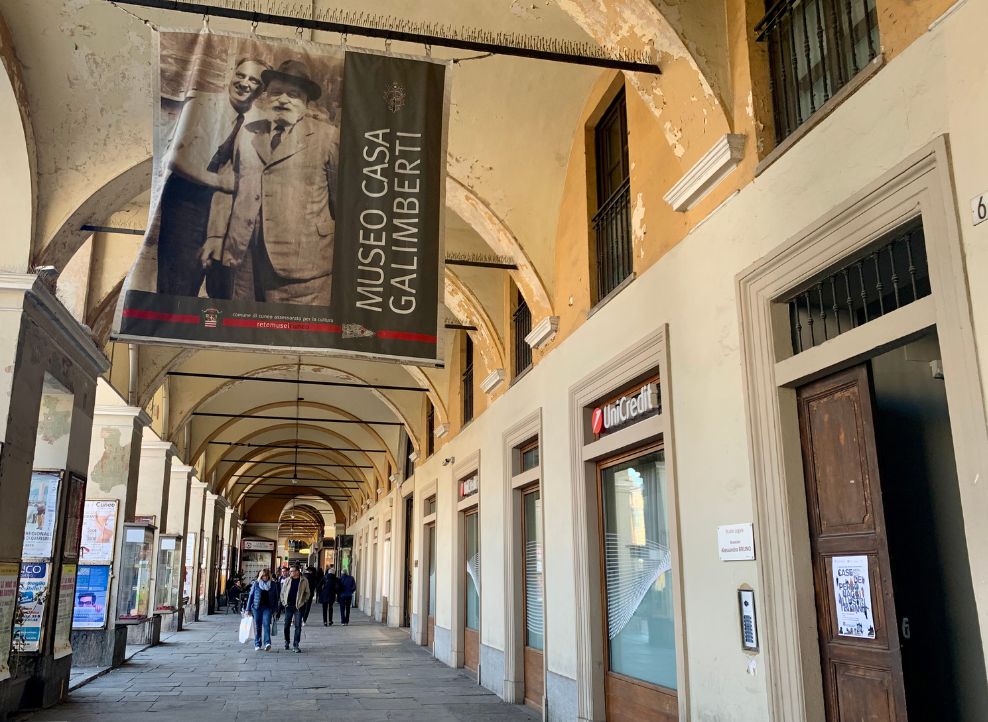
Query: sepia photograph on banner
point(297, 200)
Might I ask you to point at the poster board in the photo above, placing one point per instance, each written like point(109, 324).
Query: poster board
point(73, 522)
point(32, 594)
point(63, 617)
point(42, 513)
point(9, 575)
point(92, 592)
point(99, 530)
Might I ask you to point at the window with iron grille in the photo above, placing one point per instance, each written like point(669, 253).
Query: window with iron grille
point(612, 221)
point(890, 274)
point(815, 48)
point(409, 464)
point(523, 326)
point(467, 378)
point(430, 428)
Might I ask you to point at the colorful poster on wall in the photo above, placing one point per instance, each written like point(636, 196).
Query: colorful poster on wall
point(91, 594)
point(190, 556)
point(42, 512)
point(852, 597)
point(296, 201)
point(73, 523)
point(32, 595)
point(63, 617)
point(99, 529)
point(9, 574)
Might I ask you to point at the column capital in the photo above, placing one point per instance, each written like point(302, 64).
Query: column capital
point(119, 413)
point(198, 485)
point(163, 447)
point(180, 469)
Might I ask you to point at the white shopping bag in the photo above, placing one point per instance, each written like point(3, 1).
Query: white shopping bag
point(246, 628)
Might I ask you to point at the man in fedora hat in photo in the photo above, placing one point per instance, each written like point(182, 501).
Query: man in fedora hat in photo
point(278, 244)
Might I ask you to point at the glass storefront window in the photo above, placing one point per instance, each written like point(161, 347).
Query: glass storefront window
point(534, 589)
point(432, 570)
point(472, 554)
point(135, 572)
point(529, 456)
point(641, 640)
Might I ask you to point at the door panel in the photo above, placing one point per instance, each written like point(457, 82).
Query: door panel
point(471, 584)
point(471, 649)
point(534, 678)
point(862, 675)
point(533, 597)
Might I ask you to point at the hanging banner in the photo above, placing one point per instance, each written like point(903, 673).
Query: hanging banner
point(32, 596)
point(91, 589)
point(99, 528)
point(42, 512)
point(63, 617)
point(297, 200)
point(9, 574)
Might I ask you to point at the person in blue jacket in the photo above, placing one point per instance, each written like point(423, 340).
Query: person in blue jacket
point(262, 602)
point(327, 595)
point(347, 588)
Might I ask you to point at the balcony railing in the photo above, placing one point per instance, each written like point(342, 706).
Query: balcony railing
point(815, 48)
point(612, 230)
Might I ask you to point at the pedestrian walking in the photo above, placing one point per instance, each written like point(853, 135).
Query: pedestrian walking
point(347, 587)
point(311, 575)
point(294, 595)
point(262, 603)
point(327, 595)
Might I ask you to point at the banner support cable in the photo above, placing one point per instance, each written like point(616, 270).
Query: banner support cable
point(428, 34)
point(304, 382)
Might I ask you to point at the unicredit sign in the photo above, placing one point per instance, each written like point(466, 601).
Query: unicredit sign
point(625, 409)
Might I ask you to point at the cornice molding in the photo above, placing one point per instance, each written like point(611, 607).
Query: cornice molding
point(707, 172)
point(494, 379)
point(543, 332)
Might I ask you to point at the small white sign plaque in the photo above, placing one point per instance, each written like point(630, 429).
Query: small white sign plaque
point(736, 542)
point(979, 208)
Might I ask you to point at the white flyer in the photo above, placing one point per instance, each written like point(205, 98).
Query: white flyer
point(852, 597)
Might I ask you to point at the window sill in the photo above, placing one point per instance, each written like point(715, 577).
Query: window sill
point(614, 292)
point(825, 110)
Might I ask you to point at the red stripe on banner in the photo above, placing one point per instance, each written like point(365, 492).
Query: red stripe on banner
point(404, 336)
point(160, 316)
point(283, 325)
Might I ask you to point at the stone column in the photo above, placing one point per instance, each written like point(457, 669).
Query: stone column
point(48, 370)
point(114, 461)
point(177, 525)
point(194, 546)
point(154, 480)
point(217, 580)
point(207, 556)
point(229, 529)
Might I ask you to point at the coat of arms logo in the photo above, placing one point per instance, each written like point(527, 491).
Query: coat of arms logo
point(395, 97)
point(210, 317)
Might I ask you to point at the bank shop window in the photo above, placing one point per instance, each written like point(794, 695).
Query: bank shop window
point(641, 641)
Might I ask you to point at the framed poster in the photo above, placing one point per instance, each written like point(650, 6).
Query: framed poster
point(350, 148)
point(63, 617)
point(852, 597)
point(92, 590)
point(9, 573)
point(73, 523)
point(42, 513)
point(99, 530)
point(32, 595)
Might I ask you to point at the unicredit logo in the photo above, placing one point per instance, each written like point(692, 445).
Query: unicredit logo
point(625, 409)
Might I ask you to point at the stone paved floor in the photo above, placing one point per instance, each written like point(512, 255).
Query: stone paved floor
point(362, 672)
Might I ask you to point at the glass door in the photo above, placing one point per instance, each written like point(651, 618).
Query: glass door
point(471, 617)
point(430, 535)
point(639, 629)
point(534, 596)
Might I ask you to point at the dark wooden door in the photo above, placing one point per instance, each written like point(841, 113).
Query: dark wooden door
point(862, 666)
point(406, 592)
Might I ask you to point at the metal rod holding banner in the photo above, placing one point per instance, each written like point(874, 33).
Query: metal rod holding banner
point(474, 40)
point(304, 382)
point(300, 478)
point(295, 418)
point(304, 463)
point(248, 445)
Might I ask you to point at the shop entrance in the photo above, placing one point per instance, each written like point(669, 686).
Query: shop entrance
point(895, 605)
point(406, 587)
point(471, 586)
point(533, 604)
point(430, 601)
point(637, 594)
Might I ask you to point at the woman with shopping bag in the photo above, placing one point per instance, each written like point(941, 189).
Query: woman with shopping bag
point(262, 604)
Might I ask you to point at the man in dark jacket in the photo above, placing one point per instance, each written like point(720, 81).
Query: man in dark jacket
point(294, 595)
point(347, 588)
point(327, 595)
point(311, 575)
